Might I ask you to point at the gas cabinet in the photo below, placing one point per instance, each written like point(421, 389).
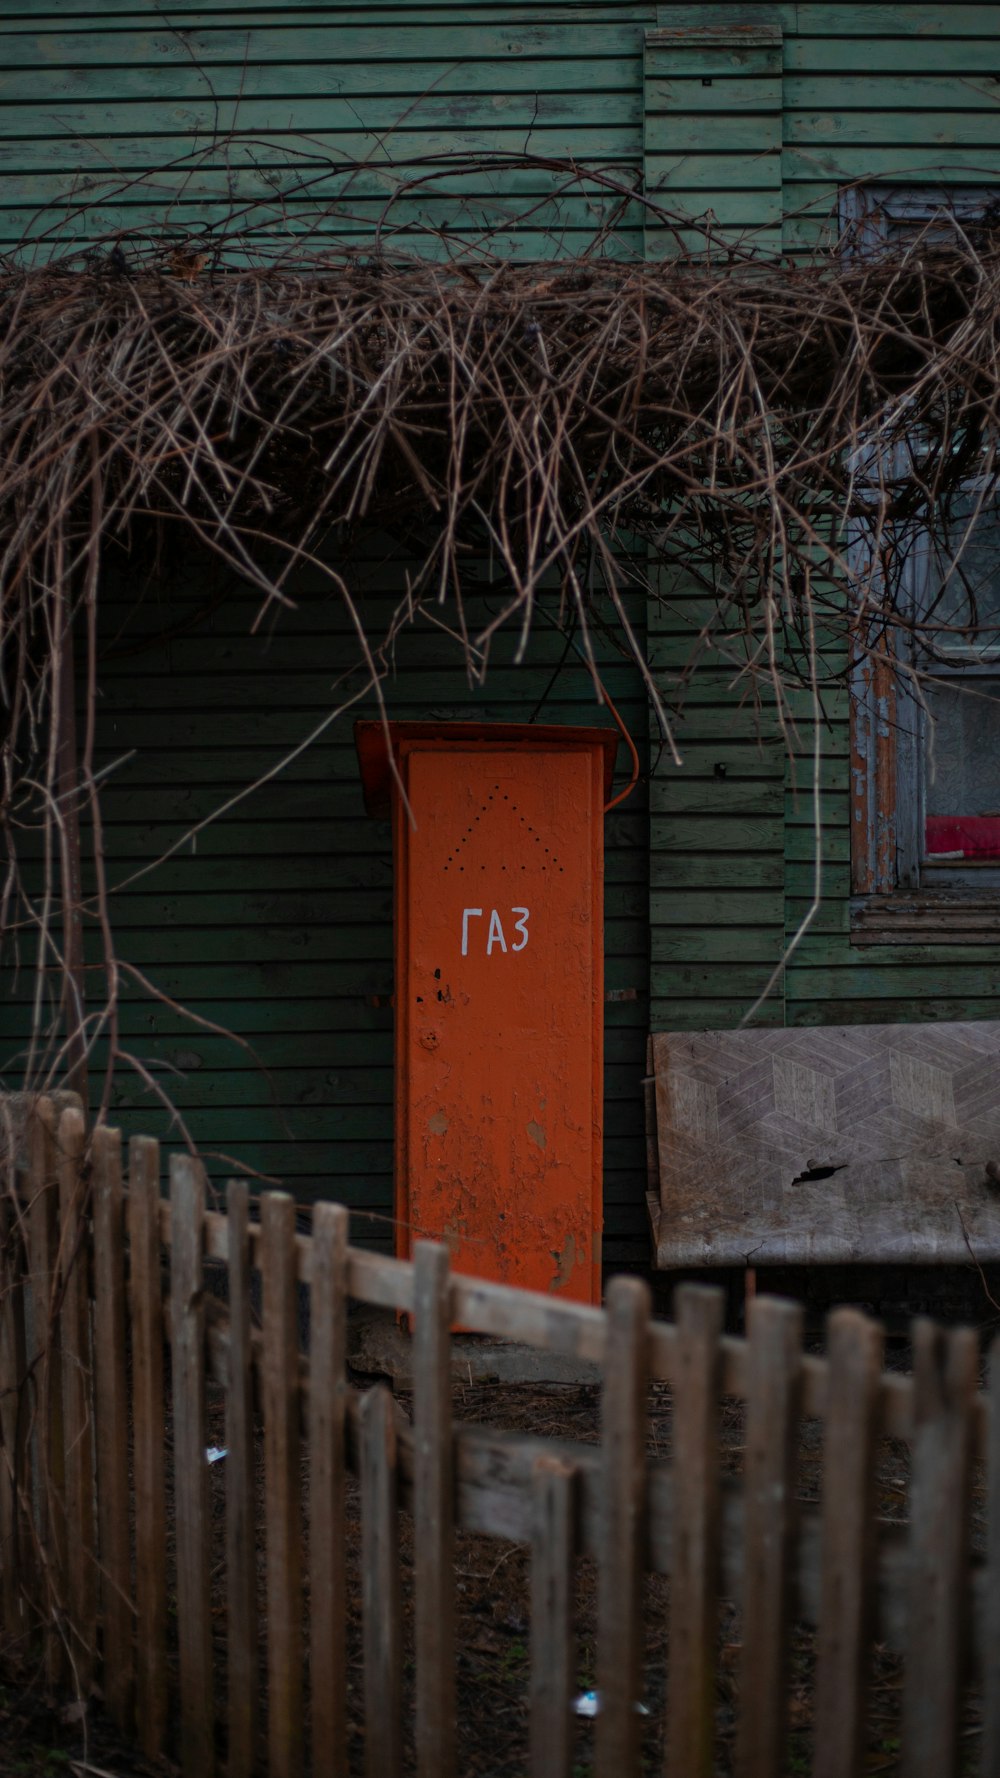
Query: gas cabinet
point(498, 845)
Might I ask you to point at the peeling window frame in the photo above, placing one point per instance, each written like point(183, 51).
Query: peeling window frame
point(897, 897)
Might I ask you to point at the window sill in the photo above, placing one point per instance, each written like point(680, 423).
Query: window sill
point(958, 916)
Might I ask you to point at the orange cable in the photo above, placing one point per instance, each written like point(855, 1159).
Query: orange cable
point(633, 781)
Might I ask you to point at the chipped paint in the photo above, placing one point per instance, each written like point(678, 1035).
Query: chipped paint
point(437, 1123)
point(565, 1258)
point(537, 1134)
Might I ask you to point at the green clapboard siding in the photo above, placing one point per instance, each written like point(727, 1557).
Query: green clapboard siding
point(896, 92)
point(106, 115)
point(904, 94)
point(276, 924)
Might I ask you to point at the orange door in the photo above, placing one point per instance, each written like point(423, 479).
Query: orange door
point(499, 1009)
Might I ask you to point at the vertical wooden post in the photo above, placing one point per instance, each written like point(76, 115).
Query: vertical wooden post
point(380, 1585)
point(112, 1426)
point(553, 1651)
point(327, 1533)
point(774, 1367)
point(944, 1379)
point(990, 1766)
point(146, 1299)
point(623, 1501)
point(187, 1311)
point(14, 1420)
point(241, 1531)
point(282, 1472)
point(854, 1357)
point(78, 1399)
point(45, 1359)
point(433, 1514)
point(694, 1580)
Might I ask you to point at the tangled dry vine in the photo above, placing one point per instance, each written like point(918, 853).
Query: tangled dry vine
point(781, 435)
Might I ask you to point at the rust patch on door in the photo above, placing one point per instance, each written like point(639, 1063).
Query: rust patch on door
point(564, 1259)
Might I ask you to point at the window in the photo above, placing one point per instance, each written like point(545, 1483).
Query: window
point(925, 827)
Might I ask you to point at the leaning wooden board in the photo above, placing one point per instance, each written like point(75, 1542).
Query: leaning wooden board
point(847, 1143)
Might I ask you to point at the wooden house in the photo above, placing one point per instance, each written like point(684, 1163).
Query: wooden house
point(275, 923)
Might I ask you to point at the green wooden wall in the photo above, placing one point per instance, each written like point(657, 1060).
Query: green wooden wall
point(87, 93)
point(906, 94)
point(277, 925)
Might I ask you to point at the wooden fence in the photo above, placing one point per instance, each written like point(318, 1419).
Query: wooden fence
point(108, 1335)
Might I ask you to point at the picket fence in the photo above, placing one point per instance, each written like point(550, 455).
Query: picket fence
point(103, 1297)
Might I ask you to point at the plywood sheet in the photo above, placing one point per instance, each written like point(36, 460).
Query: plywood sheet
point(858, 1142)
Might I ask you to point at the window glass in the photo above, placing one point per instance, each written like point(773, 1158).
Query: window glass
point(963, 610)
point(962, 785)
point(961, 694)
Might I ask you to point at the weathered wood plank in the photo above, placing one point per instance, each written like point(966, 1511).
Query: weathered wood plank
point(930, 27)
point(553, 1645)
point(327, 1456)
point(280, 1363)
point(945, 1367)
point(380, 1584)
point(694, 1582)
point(45, 1361)
point(111, 1427)
point(773, 1392)
point(433, 1507)
point(187, 1307)
point(989, 1664)
point(146, 1304)
point(838, 1185)
point(15, 1545)
point(78, 1398)
point(854, 1350)
point(377, 60)
point(243, 1674)
point(623, 1463)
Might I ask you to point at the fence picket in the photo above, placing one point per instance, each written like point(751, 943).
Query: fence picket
point(773, 1385)
point(187, 1310)
point(282, 1471)
point(945, 1366)
point(553, 1651)
point(78, 1381)
point(854, 1354)
point(45, 1364)
point(989, 1663)
point(694, 1579)
point(146, 1306)
point(327, 1531)
point(433, 1514)
point(243, 1655)
point(623, 1463)
point(558, 1502)
point(15, 1547)
point(111, 1396)
point(382, 1629)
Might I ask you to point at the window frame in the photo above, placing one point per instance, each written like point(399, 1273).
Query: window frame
point(897, 896)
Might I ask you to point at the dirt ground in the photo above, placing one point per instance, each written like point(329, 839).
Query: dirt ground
point(42, 1738)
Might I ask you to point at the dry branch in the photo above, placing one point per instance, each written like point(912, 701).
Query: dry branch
point(780, 436)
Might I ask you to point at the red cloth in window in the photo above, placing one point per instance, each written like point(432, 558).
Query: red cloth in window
point(975, 836)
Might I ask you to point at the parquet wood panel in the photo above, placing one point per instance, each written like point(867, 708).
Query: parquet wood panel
point(863, 1142)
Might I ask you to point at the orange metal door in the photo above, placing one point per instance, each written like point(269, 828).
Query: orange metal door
point(499, 1008)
